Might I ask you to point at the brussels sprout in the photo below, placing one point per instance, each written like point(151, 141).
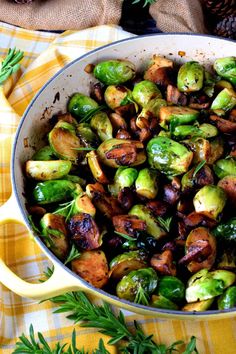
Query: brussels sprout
point(227, 277)
point(53, 191)
point(199, 305)
point(208, 130)
point(83, 204)
point(190, 77)
point(224, 101)
point(87, 136)
point(144, 91)
point(156, 63)
point(168, 156)
point(129, 285)
point(143, 213)
point(226, 68)
point(177, 116)
point(162, 302)
point(96, 168)
point(124, 177)
point(192, 180)
point(92, 266)
point(226, 231)
point(146, 183)
point(209, 84)
point(116, 96)
point(44, 154)
point(152, 109)
point(126, 262)
point(64, 142)
point(79, 105)
point(210, 201)
point(226, 258)
point(76, 179)
point(120, 152)
point(205, 130)
point(55, 233)
point(222, 84)
point(114, 72)
point(228, 299)
point(47, 170)
point(225, 167)
point(102, 126)
point(171, 288)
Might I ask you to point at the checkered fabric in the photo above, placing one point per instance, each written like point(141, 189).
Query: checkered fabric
point(45, 54)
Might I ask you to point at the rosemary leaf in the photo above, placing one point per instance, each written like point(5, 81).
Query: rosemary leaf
point(165, 223)
point(198, 167)
point(127, 237)
point(10, 64)
point(74, 254)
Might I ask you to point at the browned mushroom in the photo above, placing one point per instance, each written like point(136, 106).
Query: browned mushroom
point(199, 102)
point(173, 95)
point(171, 191)
point(128, 224)
point(97, 92)
point(163, 263)
point(117, 121)
point(228, 183)
point(224, 125)
point(126, 198)
point(127, 110)
point(157, 207)
point(194, 220)
point(123, 134)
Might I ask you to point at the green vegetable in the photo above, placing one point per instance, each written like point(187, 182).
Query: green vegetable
point(10, 64)
point(162, 302)
point(228, 299)
point(151, 109)
point(126, 262)
point(226, 68)
point(197, 177)
point(168, 156)
point(74, 254)
point(153, 228)
point(224, 101)
point(146, 183)
point(176, 115)
point(87, 136)
point(53, 191)
point(47, 170)
point(114, 72)
point(227, 277)
point(116, 96)
point(124, 177)
point(190, 77)
point(79, 105)
point(226, 231)
point(225, 167)
point(171, 288)
point(144, 91)
point(199, 305)
point(210, 200)
point(44, 154)
point(101, 124)
point(128, 287)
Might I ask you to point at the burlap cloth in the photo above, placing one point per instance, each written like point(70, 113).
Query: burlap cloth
point(170, 15)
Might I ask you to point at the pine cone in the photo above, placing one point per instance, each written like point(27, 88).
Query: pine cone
point(221, 8)
point(226, 27)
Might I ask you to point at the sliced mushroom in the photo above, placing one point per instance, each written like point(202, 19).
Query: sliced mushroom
point(123, 134)
point(196, 219)
point(128, 224)
point(126, 198)
point(163, 263)
point(157, 207)
point(173, 95)
point(224, 125)
point(228, 184)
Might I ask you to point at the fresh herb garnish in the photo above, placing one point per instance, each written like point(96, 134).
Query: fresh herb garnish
point(65, 209)
point(10, 64)
point(84, 148)
point(146, 2)
point(165, 223)
point(88, 116)
point(142, 296)
point(198, 167)
point(74, 254)
point(33, 226)
point(127, 237)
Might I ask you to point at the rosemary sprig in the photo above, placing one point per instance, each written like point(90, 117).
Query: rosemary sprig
point(10, 64)
point(127, 237)
point(65, 209)
point(198, 167)
point(142, 296)
point(146, 2)
point(165, 223)
point(88, 116)
point(84, 148)
point(32, 345)
point(74, 254)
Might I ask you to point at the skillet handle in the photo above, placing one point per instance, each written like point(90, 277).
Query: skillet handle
point(60, 282)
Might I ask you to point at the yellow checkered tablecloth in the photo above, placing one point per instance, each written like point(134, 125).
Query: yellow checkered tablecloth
point(45, 54)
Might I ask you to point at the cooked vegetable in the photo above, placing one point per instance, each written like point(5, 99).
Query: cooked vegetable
point(199, 305)
point(205, 130)
point(44, 154)
point(126, 262)
point(171, 288)
point(79, 105)
point(92, 266)
point(124, 177)
point(228, 184)
point(177, 116)
point(146, 183)
point(224, 101)
point(129, 285)
point(96, 168)
point(226, 68)
point(47, 170)
point(228, 299)
point(210, 201)
point(83, 204)
point(227, 231)
point(87, 136)
point(150, 110)
point(225, 167)
point(128, 224)
point(190, 77)
point(114, 72)
point(163, 263)
point(192, 180)
point(53, 191)
point(102, 126)
point(117, 95)
point(168, 156)
point(162, 302)
point(160, 71)
point(144, 91)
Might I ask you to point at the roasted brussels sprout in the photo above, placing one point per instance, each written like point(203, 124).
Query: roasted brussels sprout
point(87, 136)
point(171, 288)
point(44, 154)
point(146, 183)
point(227, 231)
point(175, 115)
point(226, 68)
point(210, 200)
point(205, 130)
point(114, 72)
point(79, 105)
point(102, 126)
point(199, 305)
point(47, 170)
point(168, 156)
point(151, 110)
point(117, 95)
point(82, 204)
point(224, 101)
point(129, 285)
point(225, 167)
point(144, 91)
point(126, 262)
point(228, 299)
point(162, 302)
point(96, 168)
point(124, 177)
point(190, 77)
point(192, 180)
point(53, 191)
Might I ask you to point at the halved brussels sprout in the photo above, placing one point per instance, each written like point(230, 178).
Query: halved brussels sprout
point(126, 262)
point(143, 213)
point(102, 126)
point(44, 154)
point(210, 200)
point(129, 285)
point(53, 191)
point(87, 136)
point(79, 105)
point(47, 170)
point(226, 67)
point(83, 204)
point(225, 167)
point(226, 276)
point(228, 299)
point(191, 180)
point(199, 305)
point(162, 302)
point(224, 101)
point(171, 288)
point(124, 177)
point(151, 109)
point(114, 72)
point(146, 183)
point(144, 91)
point(190, 77)
point(168, 156)
point(177, 116)
point(96, 168)
point(117, 95)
